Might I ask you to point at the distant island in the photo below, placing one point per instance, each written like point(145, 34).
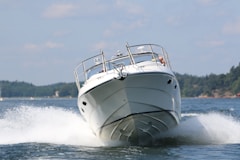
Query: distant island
point(217, 86)
point(24, 89)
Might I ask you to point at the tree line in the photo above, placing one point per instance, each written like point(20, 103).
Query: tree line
point(24, 89)
point(222, 85)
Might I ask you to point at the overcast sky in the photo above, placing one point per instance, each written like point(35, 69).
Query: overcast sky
point(42, 41)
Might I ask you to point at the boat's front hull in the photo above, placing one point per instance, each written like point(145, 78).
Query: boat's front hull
point(141, 129)
point(135, 109)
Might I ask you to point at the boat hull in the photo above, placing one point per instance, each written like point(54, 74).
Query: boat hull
point(134, 109)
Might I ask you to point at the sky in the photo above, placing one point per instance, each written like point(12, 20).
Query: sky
point(41, 42)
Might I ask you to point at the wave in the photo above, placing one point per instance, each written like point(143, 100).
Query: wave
point(45, 125)
point(189, 114)
point(209, 128)
point(56, 125)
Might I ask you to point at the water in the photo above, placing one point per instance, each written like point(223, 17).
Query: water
point(54, 129)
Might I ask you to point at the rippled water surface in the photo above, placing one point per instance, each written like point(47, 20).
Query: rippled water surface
point(54, 129)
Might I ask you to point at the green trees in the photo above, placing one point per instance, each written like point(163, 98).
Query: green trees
point(23, 89)
point(16, 89)
point(211, 85)
point(191, 86)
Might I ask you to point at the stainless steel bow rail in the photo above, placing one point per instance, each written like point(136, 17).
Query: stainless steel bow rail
point(135, 54)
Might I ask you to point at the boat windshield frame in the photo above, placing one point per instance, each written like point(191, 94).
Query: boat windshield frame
point(135, 54)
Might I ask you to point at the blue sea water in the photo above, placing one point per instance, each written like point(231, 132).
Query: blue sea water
point(53, 129)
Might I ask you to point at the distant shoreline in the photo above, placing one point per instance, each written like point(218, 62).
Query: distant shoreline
point(210, 86)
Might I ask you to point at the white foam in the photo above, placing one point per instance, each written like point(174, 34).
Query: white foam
point(189, 114)
point(56, 125)
point(210, 128)
point(45, 125)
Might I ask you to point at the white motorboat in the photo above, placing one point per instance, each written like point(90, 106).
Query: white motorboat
point(130, 98)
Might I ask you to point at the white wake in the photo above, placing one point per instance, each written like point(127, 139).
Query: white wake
point(59, 126)
point(210, 128)
point(45, 125)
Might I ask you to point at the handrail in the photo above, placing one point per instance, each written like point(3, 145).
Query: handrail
point(101, 65)
point(130, 54)
point(104, 62)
